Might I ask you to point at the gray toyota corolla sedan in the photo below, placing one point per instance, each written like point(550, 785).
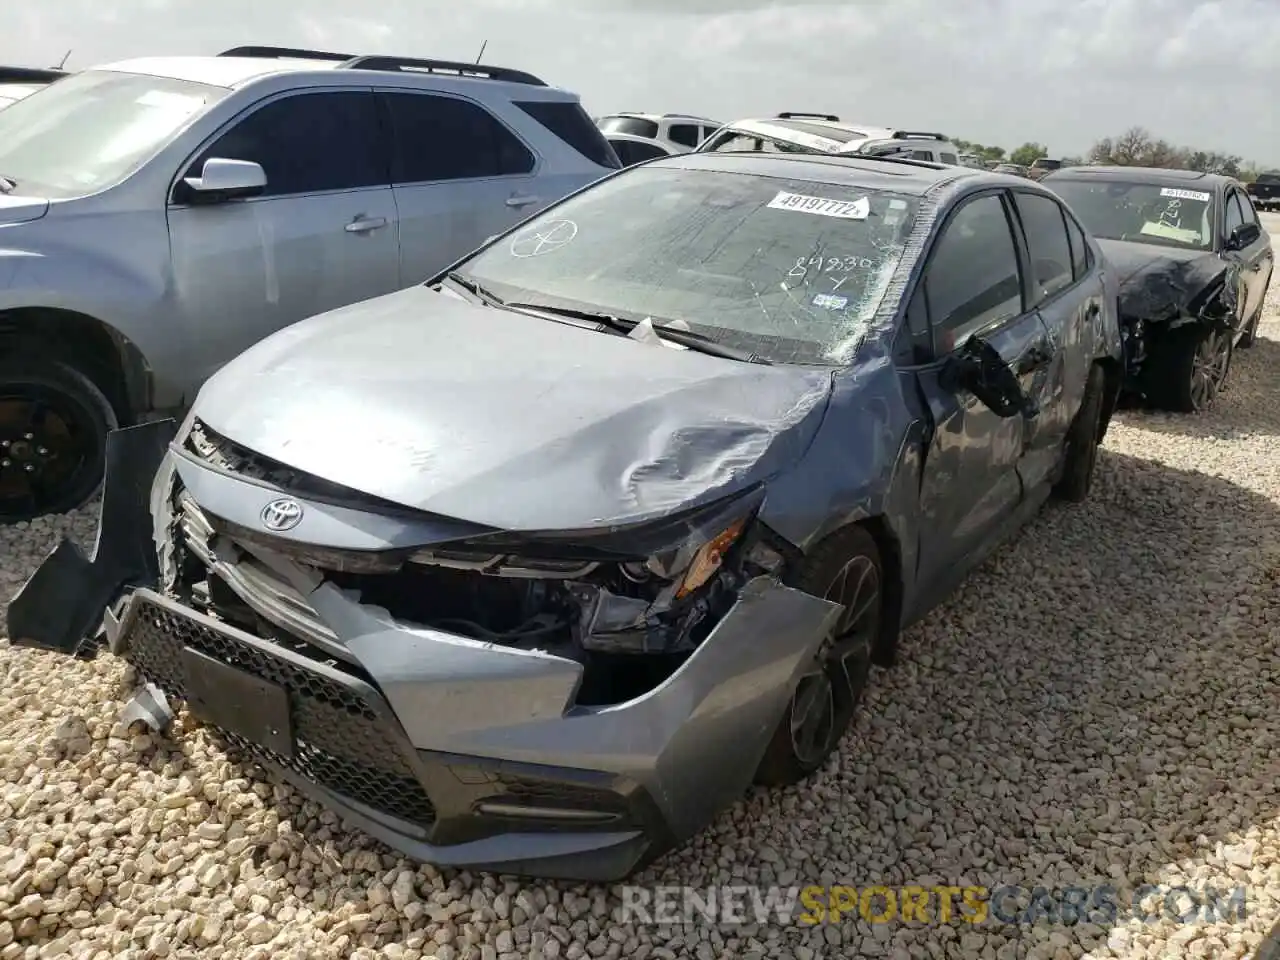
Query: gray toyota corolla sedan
point(537, 566)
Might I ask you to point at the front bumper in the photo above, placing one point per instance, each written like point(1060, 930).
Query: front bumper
point(455, 751)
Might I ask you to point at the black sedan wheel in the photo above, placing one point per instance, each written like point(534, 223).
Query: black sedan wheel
point(845, 569)
point(53, 429)
point(1188, 368)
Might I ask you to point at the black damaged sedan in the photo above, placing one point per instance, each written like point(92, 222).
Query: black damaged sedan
point(1194, 264)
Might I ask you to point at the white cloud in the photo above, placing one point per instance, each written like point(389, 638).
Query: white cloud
point(1200, 72)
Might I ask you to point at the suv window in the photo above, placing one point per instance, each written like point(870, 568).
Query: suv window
point(1235, 215)
point(570, 123)
point(1048, 244)
point(445, 138)
point(950, 158)
point(685, 134)
point(1081, 260)
point(308, 143)
point(972, 279)
point(921, 155)
point(636, 126)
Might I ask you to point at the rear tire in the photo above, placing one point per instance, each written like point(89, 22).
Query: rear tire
point(1083, 439)
point(845, 565)
point(53, 433)
point(1188, 368)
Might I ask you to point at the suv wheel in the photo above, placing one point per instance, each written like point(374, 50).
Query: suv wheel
point(53, 432)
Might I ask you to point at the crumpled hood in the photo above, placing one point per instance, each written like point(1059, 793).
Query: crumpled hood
point(19, 209)
point(510, 421)
point(1158, 282)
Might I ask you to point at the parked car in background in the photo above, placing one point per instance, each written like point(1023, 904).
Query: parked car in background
point(1265, 191)
point(632, 150)
point(972, 160)
point(1012, 169)
point(1042, 166)
point(675, 132)
point(163, 214)
point(795, 132)
point(499, 566)
point(17, 83)
point(1194, 264)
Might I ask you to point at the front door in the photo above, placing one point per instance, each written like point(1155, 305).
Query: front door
point(322, 235)
point(461, 176)
point(1256, 261)
point(972, 283)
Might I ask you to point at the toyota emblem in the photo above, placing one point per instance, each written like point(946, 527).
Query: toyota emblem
point(282, 515)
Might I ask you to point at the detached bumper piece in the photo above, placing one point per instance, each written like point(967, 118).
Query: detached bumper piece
point(328, 731)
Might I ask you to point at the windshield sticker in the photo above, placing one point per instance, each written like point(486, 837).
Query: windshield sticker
point(1185, 194)
point(822, 206)
point(830, 301)
point(544, 238)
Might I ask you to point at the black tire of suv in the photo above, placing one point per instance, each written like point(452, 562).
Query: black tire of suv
point(1169, 367)
point(1082, 441)
point(818, 574)
point(80, 405)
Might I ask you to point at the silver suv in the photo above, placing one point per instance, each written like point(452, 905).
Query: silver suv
point(159, 216)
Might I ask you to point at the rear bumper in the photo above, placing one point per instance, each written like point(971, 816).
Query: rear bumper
point(449, 749)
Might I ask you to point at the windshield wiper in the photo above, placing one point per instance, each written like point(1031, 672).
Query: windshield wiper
point(472, 287)
point(8, 184)
point(686, 338)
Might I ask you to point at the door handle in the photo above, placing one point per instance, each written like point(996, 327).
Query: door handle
point(520, 201)
point(365, 224)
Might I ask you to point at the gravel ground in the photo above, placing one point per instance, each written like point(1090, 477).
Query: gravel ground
point(1096, 706)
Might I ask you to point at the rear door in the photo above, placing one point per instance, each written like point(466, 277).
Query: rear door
point(321, 235)
point(460, 175)
point(970, 484)
point(1069, 301)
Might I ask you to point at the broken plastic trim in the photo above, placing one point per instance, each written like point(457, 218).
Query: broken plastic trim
point(64, 600)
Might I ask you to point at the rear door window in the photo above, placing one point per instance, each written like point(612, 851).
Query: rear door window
point(1045, 228)
point(447, 138)
point(685, 134)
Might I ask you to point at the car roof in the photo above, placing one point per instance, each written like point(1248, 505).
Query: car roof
point(892, 174)
point(658, 116)
point(1155, 175)
point(237, 71)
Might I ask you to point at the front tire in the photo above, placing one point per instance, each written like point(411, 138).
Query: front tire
point(1082, 440)
point(1188, 368)
point(53, 434)
point(845, 568)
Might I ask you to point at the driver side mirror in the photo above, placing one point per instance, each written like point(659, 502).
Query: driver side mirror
point(221, 180)
point(978, 367)
point(1243, 235)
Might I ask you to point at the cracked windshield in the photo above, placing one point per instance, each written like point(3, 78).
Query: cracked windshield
point(1142, 212)
point(793, 271)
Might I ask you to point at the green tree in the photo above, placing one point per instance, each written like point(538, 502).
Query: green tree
point(1028, 154)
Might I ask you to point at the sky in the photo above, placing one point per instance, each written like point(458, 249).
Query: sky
point(1201, 73)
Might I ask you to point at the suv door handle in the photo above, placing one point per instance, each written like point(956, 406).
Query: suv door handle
point(517, 201)
point(365, 224)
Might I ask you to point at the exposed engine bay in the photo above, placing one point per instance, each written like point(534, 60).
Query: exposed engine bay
point(631, 621)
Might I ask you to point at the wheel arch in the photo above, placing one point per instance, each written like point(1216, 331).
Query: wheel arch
point(95, 348)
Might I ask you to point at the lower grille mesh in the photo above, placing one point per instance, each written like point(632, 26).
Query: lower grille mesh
point(343, 743)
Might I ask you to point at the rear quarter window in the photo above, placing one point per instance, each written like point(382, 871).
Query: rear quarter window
point(570, 123)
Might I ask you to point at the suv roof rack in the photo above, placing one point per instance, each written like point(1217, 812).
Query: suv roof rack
point(286, 53)
point(797, 115)
point(916, 135)
point(472, 71)
point(389, 64)
point(30, 74)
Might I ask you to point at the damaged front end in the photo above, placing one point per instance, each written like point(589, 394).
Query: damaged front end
point(561, 704)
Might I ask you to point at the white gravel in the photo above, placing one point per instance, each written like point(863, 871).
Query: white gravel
point(1097, 705)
